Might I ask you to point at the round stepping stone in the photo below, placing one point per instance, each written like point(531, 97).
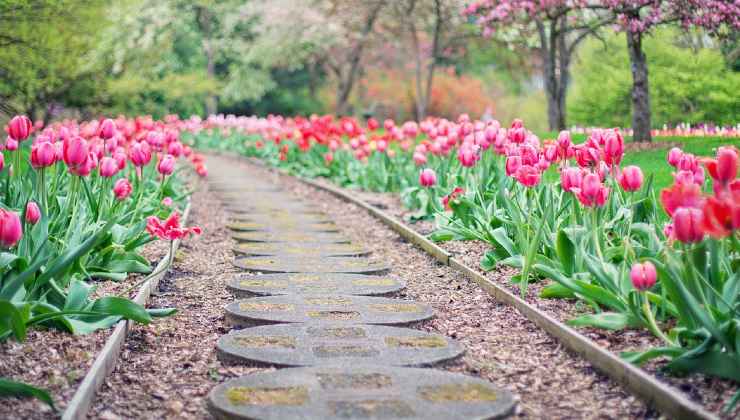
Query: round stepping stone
point(253, 226)
point(278, 264)
point(281, 218)
point(304, 284)
point(290, 236)
point(294, 345)
point(274, 212)
point(325, 310)
point(305, 249)
point(359, 392)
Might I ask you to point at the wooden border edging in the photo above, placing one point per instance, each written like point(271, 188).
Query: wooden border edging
point(106, 360)
point(665, 398)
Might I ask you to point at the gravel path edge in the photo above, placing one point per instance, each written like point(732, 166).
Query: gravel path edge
point(106, 360)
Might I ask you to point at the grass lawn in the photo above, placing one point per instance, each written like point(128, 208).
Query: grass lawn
point(654, 161)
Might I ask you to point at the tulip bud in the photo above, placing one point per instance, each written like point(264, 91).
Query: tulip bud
point(43, 154)
point(420, 158)
point(108, 167)
point(631, 178)
point(613, 148)
point(107, 129)
point(11, 144)
point(10, 228)
point(122, 189)
point(167, 165)
point(167, 202)
point(427, 177)
point(643, 275)
point(33, 213)
point(687, 225)
point(674, 156)
point(201, 170)
point(564, 140)
point(19, 128)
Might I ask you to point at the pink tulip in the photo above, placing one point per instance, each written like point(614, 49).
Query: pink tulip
point(613, 148)
point(420, 158)
point(75, 152)
point(687, 225)
point(108, 167)
point(10, 228)
point(11, 144)
point(167, 165)
point(175, 149)
point(167, 201)
point(564, 140)
point(643, 276)
point(427, 177)
point(33, 213)
point(43, 154)
point(631, 178)
point(513, 163)
point(140, 153)
point(674, 156)
point(107, 129)
point(120, 158)
point(2, 161)
point(122, 189)
point(528, 176)
point(467, 156)
point(571, 178)
point(19, 128)
point(592, 192)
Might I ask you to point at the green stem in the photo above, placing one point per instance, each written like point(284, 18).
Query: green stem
point(595, 233)
point(652, 325)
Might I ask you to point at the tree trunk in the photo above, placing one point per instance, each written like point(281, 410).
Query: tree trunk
point(204, 23)
point(641, 124)
point(555, 94)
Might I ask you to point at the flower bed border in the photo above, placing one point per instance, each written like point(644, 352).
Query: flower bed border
point(107, 358)
point(663, 397)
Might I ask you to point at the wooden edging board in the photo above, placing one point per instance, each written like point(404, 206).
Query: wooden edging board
point(106, 360)
point(663, 397)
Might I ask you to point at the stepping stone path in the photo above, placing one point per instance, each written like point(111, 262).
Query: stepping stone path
point(309, 299)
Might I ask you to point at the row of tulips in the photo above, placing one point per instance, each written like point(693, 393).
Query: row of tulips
point(74, 201)
point(78, 201)
point(667, 261)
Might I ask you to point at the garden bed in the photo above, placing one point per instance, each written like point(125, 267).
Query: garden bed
point(711, 392)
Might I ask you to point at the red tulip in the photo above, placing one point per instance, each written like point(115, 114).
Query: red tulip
point(19, 128)
point(201, 170)
point(724, 168)
point(458, 191)
point(643, 276)
point(122, 189)
point(43, 154)
point(427, 177)
point(170, 229)
point(631, 178)
point(528, 176)
point(10, 228)
point(373, 124)
point(720, 217)
point(687, 225)
point(107, 129)
point(681, 195)
point(33, 213)
point(108, 167)
point(167, 165)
